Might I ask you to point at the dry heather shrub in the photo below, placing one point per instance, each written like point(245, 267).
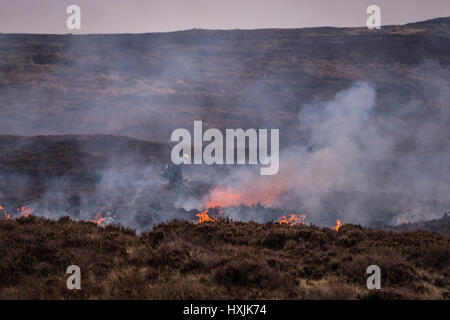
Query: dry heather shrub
point(218, 260)
point(248, 273)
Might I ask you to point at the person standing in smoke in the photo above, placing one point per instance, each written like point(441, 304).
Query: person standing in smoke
point(174, 172)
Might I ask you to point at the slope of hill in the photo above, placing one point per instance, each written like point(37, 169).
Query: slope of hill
point(146, 85)
point(218, 260)
point(28, 165)
point(73, 106)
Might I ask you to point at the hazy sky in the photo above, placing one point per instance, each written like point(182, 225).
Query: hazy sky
point(135, 16)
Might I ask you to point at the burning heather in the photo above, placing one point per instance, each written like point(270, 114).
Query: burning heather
point(20, 212)
point(359, 125)
point(343, 168)
point(98, 219)
point(247, 194)
point(338, 225)
point(103, 217)
point(6, 215)
point(292, 219)
point(204, 217)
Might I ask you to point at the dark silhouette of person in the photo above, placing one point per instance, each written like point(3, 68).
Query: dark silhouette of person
point(173, 172)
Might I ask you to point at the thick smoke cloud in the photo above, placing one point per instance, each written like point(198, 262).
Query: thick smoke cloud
point(362, 165)
point(365, 155)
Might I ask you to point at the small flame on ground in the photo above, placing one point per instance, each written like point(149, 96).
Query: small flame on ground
point(5, 214)
point(338, 225)
point(102, 218)
point(204, 217)
point(22, 212)
point(98, 219)
point(292, 220)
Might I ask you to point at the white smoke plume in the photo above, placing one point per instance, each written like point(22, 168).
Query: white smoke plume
point(360, 165)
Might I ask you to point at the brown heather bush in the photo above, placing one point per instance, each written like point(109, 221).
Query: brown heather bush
point(219, 260)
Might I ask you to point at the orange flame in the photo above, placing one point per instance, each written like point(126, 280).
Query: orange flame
point(405, 221)
point(6, 215)
point(247, 194)
point(25, 211)
point(292, 220)
point(223, 197)
point(98, 219)
point(338, 225)
point(204, 217)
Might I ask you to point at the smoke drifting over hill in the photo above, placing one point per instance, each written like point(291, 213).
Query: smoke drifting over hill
point(363, 119)
point(361, 164)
